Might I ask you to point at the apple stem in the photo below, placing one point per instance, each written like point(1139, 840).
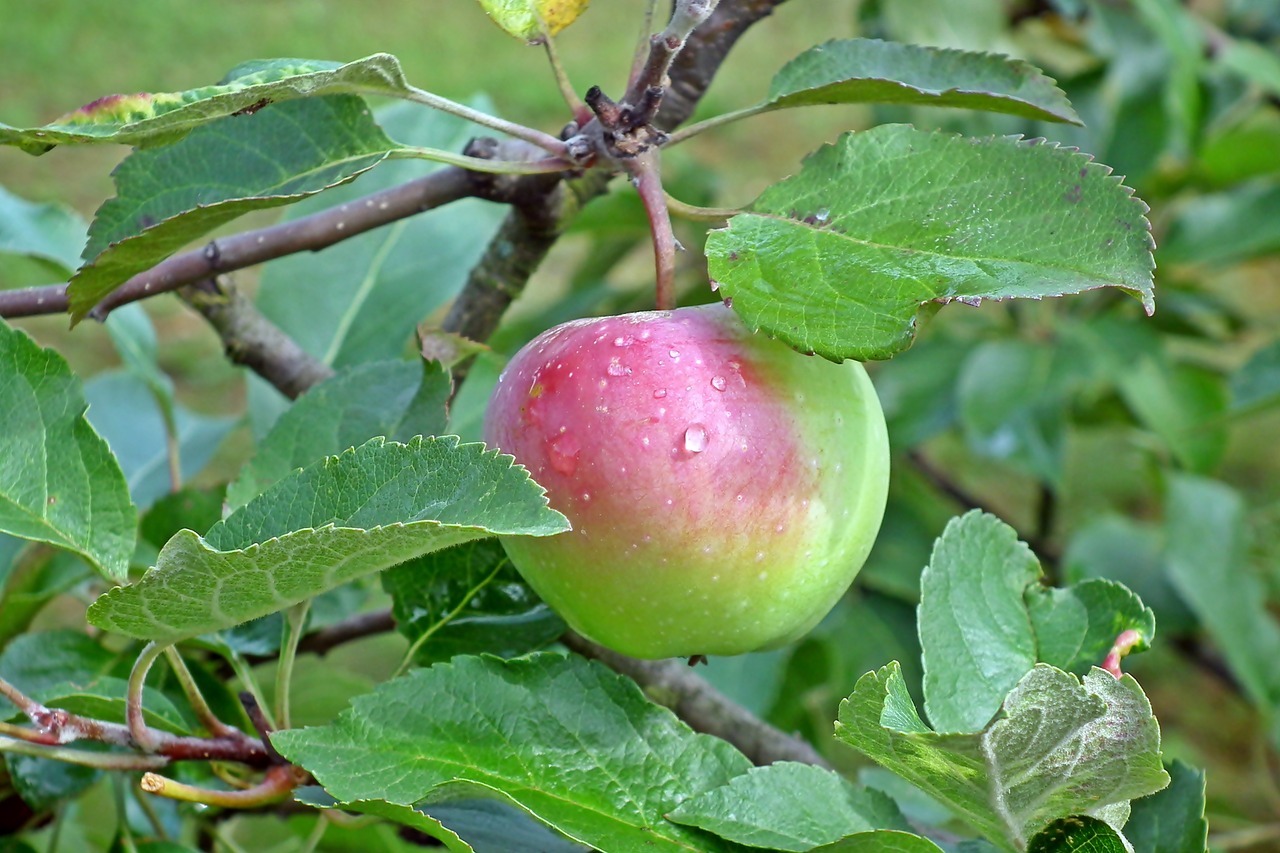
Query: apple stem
point(646, 174)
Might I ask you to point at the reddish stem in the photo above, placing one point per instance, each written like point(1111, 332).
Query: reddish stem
point(1124, 644)
point(646, 173)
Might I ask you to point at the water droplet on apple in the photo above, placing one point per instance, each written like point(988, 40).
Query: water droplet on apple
point(675, 353)
point(616, 368)
point(562, 451)
point(623, 341)
point(659, 393)
point(695, 439)
point(718, 383)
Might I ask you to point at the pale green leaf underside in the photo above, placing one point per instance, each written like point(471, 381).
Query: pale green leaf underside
point(347, 516)
point(874, 71)
point(840, 258)
point(163, 117)
point(59, 482)
point(565, 739)
point(789, 806)
point(48, 232)
point(1059, 748)
point(167, 197)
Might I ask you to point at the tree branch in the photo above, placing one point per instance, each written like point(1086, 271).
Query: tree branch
point(250, 339)
point(705, 709)
point(227, 254)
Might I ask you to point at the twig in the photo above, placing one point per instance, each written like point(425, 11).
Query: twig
point(142, 734)
point(83, 757)
point(666, 45)
point(703, 707)
point(545, 141)
point(252, 340)
point(277, 784)
point(227, 254)
point(353, 628)
point(647, 175)
point(195, 698)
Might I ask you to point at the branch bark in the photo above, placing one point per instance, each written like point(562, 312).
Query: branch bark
point(227, 254)
point(705, 709)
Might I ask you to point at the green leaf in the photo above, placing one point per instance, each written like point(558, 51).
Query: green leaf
point(1183, 404)
point(1224, 228)
point(839, 259)
point(1076, 627)
point(50, 233)
point(125, 412)
point(404, 815)
point(1013, 398)
point(467, 600)
point(342, 518)
point(974, 632)
point(1077, 834)
point(1060, 747)
point(789, 806)
point(577, 746)
point(66, 669)
point(874, 71)
point(880, 841)
point(394, 399)
point(1256, 385)
point(496, 826)
point(985, 620)
point(43, 782)
point(1132, 553)
point(164, 117)
point(33, 576)
point(59, 482)
point(1206, 550)
point(1172, 820)
point(359, 300)
point(167, 197)
point(529, 19)
point(192, 509)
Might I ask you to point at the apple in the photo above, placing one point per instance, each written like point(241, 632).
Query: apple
point(723, 489)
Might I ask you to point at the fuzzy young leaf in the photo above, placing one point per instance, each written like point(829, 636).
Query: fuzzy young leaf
point(393, 399)
point(59, 482)
point(874, 71)
point(528, 19)
point(839, 259)
point(371, 508)
point(167, 197)
point(164, 117)
point(50, 233)
point(1059, 748)
point(575, 745)
point(789, 806)
point(985, 620)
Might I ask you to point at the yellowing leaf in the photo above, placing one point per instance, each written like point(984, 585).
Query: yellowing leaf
point(529, 19)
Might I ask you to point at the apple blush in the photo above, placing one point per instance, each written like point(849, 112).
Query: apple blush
point(723, 489)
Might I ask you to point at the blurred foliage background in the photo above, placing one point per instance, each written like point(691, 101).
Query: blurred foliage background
point(1120, 446)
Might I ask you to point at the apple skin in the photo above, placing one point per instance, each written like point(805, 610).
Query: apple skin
point(723, 489)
